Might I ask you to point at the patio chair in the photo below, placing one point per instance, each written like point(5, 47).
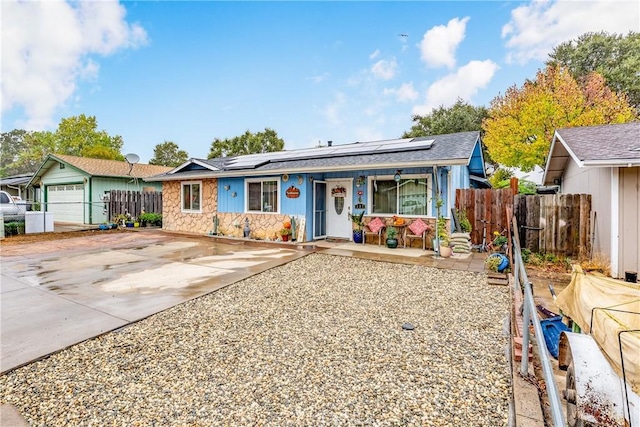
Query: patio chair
point(418, 229)
point(375, 227)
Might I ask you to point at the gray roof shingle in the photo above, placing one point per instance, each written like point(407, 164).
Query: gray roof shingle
point(604, 142)
point(456, 148)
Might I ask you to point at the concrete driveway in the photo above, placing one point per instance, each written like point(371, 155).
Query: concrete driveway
point(58, 293)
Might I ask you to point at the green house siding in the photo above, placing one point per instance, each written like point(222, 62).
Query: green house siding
point(95, 210)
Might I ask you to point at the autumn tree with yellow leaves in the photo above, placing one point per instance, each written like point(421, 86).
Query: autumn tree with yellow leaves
point(521, 123)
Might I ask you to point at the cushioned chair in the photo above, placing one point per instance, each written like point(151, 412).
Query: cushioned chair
point(418, 229)
point(375, 227)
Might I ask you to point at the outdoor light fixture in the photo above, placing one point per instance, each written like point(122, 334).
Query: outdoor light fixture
point(227, 187)
point(396, 177)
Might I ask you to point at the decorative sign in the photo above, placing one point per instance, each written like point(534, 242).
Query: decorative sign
point(292, 192)
point(339, 191)
point(360, 206)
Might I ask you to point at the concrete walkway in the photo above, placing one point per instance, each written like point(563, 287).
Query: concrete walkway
point(55, 294)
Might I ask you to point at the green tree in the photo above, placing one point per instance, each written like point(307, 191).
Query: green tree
point(23, 151)
point(460, 117)
point(615, 56)
point(79, 136)
point(248, 143)
point(39, 145)
point(12, 144)
point(521, 123)
point(168, 154)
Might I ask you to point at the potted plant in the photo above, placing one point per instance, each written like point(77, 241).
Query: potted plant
point(443, 237)
point(445, 249)
point(120, 219)
point(499, 242)
point(356, 220)
point(285, 233)
point(392, 233)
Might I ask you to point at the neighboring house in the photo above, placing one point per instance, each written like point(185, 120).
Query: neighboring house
point(603, 161)
point(16, 185)
point(74, 188)
point(320, 187)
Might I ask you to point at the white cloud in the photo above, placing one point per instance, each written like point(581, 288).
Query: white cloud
point(45, 49)
point(384, 69)
point(535, 29)
point(463, 84)
point(333, 112)
point(375, 54)
point(404, 93)
point(439, 44)
point(319, 78)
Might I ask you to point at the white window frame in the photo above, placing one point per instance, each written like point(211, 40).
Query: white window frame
point(430, 200)
point(262, 180)
point(182, 186)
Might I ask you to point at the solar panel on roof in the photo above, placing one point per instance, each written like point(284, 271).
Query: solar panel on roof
point(405, 146)
point(252, 161)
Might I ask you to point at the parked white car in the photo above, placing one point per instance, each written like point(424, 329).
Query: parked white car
point(11, 209)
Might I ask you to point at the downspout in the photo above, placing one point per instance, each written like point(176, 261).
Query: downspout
point(90, 201)
point(614, 223)
point(435, 177)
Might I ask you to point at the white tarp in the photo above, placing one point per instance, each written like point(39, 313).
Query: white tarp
point(615, 307)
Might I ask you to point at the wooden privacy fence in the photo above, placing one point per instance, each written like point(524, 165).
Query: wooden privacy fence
point(558, 224)
point(132, 202)
point(485, 205)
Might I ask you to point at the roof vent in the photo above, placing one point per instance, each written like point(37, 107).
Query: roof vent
point(329, 143)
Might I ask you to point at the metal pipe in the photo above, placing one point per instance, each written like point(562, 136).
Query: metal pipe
point(530, 315)
point(215, 224)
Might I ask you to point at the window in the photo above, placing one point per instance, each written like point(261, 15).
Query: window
point(191, 196)
point(262, 195)
point(409, 196)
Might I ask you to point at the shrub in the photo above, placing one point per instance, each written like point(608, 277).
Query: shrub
point(13, 228)
point(493, 263)
point(151, 219)
point(465, 224)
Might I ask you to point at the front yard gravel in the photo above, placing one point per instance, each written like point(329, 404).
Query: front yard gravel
point(318, 341)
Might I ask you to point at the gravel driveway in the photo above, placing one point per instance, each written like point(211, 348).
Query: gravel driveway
point(318, 341)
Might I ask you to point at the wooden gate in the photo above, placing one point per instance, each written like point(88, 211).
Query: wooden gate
point(485, 205)
point(557, 224)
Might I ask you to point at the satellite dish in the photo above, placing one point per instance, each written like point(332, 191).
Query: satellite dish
point(132, 158)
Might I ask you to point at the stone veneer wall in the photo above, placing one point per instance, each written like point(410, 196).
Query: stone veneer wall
point(173, 219)
point(262, 226)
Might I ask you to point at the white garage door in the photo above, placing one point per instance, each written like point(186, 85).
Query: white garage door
point(65, 202)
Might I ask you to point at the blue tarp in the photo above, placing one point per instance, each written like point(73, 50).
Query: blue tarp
point(552, 328)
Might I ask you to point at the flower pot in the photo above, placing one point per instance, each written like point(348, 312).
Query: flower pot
point(392, 243)
point(445, 251)
point(285, 237)
point(357, 236)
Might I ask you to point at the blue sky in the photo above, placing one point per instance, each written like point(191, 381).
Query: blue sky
point(190, 72)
